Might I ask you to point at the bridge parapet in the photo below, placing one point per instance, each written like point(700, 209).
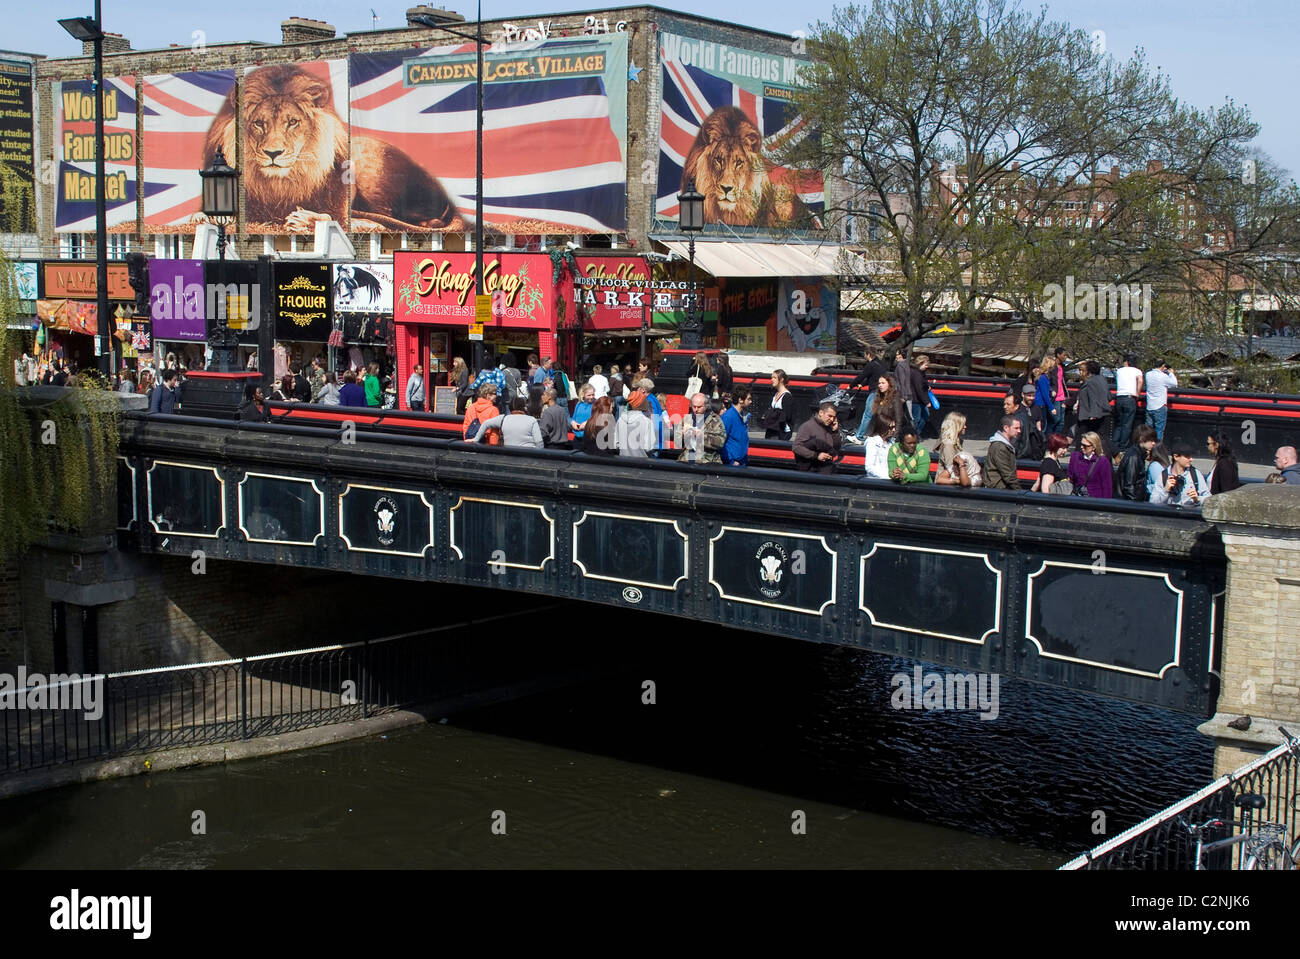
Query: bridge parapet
point(1121, 600)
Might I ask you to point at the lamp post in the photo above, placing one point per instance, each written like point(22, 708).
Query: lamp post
point(690, 219)
point(220, 203)
point(432, 24)
point(88, 29)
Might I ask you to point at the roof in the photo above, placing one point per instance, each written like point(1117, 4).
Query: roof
point(736, 258)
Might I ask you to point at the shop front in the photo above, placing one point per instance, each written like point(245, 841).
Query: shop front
point(68, 309)
point(435, 316)
point(362, 330)
point(178, 312)
point(304, 315)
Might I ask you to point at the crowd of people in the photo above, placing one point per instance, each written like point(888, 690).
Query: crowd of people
point(620, 413)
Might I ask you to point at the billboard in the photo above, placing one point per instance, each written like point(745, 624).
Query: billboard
point(178, 111)
point(178, 300)
point(363, 288)
point(290, 145)
point(435, 287)
point(302, 302)
point(723, 112)
point(75, 151)
point(17, 149)
point(554, 141)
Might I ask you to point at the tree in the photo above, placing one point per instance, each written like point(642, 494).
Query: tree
point(1003, 152)
point(60, 456)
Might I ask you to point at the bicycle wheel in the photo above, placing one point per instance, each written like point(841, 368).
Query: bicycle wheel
point(1272, 855)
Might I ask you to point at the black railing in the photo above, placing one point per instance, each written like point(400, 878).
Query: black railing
point(1164, 842)
point(201, 704)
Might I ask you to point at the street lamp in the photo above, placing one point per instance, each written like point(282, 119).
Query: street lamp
point(690, 220)
point(479, 286)
point(92, 30)
point(220, 196)
point(220, 203)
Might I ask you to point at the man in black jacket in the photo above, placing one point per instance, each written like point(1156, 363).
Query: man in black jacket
point(1092, 401)
point(1030, 443)
point(1131, 466)
point(817, 442)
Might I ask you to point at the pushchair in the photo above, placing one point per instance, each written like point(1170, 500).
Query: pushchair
point(847, 404)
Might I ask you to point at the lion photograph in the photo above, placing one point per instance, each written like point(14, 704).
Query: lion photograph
point(726, 162)
point(296, 168)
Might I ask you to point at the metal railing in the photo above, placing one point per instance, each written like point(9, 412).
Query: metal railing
point(1163, 842)
point(199, 704)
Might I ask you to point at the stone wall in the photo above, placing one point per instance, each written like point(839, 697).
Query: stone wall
point(1260, 666)
point(169, 614)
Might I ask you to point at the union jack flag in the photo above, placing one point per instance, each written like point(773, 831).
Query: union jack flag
point(553, 155)
point(177, 109)
point(690, 94)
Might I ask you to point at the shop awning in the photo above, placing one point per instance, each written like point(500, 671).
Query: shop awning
point(737, 258)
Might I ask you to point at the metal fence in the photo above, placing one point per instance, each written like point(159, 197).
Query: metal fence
point(205, 703)
point(1163, 842)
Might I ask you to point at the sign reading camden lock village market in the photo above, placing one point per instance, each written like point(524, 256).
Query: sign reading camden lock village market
point(302, 302)
point(615, 292)
point(435, 287)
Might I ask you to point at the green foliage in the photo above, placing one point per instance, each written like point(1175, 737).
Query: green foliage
point(60, 458)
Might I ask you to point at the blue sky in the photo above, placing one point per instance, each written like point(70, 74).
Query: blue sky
point(1211, 50)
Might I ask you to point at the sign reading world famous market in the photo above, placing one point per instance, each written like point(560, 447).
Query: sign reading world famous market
point(439, 288)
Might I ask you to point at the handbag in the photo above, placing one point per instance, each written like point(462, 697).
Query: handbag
point(694, 385)
point(1082, 488)
point(934, 400)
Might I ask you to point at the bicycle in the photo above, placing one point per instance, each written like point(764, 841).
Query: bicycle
point(1263, 849)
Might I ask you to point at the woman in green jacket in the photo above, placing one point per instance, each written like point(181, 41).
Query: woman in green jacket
point(374, 393)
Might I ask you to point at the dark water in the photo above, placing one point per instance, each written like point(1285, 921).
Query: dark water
point(745, 731)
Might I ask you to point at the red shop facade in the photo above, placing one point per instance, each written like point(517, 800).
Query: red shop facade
point(433, 307)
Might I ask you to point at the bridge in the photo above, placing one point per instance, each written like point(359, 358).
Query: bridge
point(1125, 601)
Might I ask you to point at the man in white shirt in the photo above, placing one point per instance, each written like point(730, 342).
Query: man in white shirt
point(599, 381)
point(1128, 387)
point(1159, 380)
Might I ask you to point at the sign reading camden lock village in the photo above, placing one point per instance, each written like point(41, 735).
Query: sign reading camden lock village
point(302, 302)
point(615, 292)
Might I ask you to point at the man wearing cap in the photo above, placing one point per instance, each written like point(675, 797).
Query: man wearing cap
point(817, 442)
point(1182, 483)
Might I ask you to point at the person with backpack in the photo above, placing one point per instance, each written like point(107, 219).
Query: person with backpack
point(1181, 484)
point(1090, 468)
point(516, 429)
point(483, 408)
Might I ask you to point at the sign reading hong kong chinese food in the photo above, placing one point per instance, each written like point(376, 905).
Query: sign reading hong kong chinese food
point(439, 288)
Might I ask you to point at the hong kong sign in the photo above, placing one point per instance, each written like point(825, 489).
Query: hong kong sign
point(440, 287)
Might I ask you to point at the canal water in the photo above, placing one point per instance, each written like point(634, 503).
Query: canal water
point(756, 752)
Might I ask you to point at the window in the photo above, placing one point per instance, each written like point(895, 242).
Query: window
point(72, 246)
point(168, 246)
point(119, 245)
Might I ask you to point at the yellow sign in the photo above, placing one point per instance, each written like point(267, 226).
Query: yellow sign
point(476, 331)
point(482, 309)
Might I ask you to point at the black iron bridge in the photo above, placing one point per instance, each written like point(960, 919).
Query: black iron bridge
point(1122, 601)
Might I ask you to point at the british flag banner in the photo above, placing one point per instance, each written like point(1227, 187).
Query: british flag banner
point(177, 110)
point(75, 193)
point(554, 136)
point(724, 114)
